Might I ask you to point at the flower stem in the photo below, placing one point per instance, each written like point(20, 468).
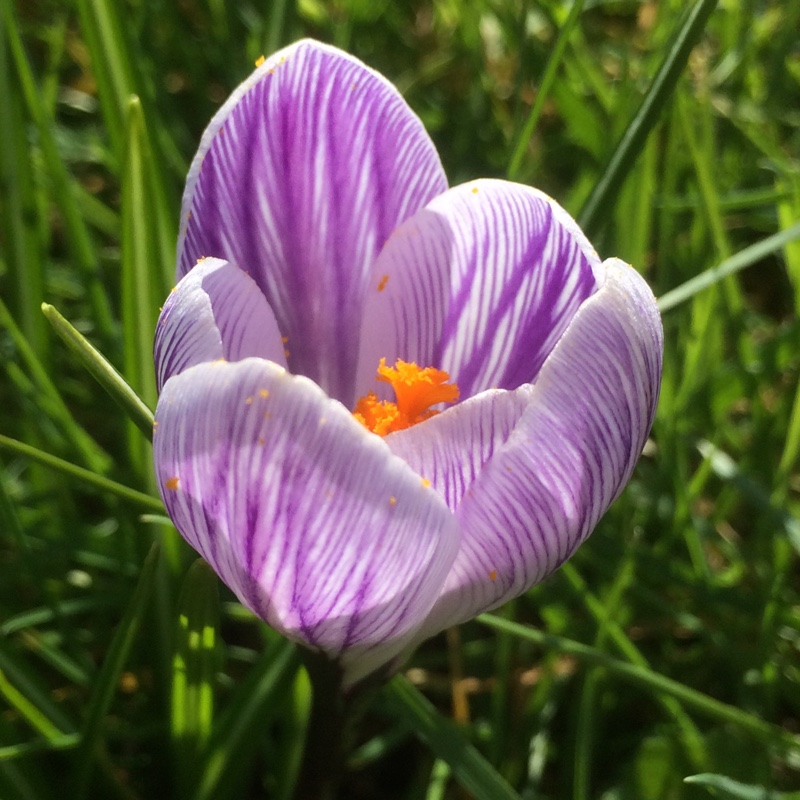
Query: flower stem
point(325, 750)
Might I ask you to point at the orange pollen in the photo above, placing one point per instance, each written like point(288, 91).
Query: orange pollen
point(416, 389)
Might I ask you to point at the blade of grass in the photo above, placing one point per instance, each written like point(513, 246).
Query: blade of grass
point(768, 508)
point(788, 212)
point(85, 476)
point(722, 786)
point(27, 682)
point(635, 211)
point(740, 200)
point(41, 615)
point(21, 245)
point(114, 67)
point(702, 159)
point(115, 60)
point(591, 691)
point(103, 372)
point(550, 72)
point(41, 646)
point(446, 742)
point(27, 710)
point(504, 662)
point(142, 291)
point(77, 234)
point(51, 401)
point(296, 722)
point(652, 682)
point(64, 742)
point(238, 729)
point(616, 635)
point(440, 777)
point(108, 678)
point(194, 670)
point(744, 258)
point(688, 31)
point(279, 21)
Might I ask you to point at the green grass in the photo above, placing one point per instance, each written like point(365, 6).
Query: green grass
point(669, 647)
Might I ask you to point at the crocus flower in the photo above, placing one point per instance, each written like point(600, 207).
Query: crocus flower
point(385, 405)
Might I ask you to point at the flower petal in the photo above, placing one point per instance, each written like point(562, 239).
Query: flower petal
point(481, 283)
point(304, 514)
point(216, 311)
point(300, 179)
point(569, 455)
point(451, 448)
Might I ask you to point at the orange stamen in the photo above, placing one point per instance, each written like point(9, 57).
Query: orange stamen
point(416, 389)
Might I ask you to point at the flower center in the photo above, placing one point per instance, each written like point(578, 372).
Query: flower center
point(416, 389)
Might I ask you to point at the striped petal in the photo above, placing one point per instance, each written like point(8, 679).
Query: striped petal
point(216, 311)
point(305, 515)
point(481, 283)
point(300, 179)
point(570, 453)
point(451, 448)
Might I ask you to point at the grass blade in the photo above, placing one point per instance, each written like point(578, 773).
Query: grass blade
point(116, 68)
point(447, 742)
point(195, 666)
point(29, 684)
point(51, 401)
point(102, 371)
point(550, 72)
point(145, 501)
point(27, 710)
point(142, 277)
point(63, 190)
point(22, 251)
point(744, 258)
point(724, 787)
point(105, 36)
point(108, 678)
point(652, 682)
point(238, 729)
point(600, 202)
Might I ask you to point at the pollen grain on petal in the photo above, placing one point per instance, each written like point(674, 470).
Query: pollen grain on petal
point(392, 501)
point(493, 575)
point(382, 283)
point(263, 393)
point(426, 483)
point(172, 483)
point(249, 400)
point(260, 60)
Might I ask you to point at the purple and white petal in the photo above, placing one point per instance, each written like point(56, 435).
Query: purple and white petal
point(304, 514)
point(300, 178)
point(216, 311)
point(481, 283)
point(569, 455)
point(451, 448)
